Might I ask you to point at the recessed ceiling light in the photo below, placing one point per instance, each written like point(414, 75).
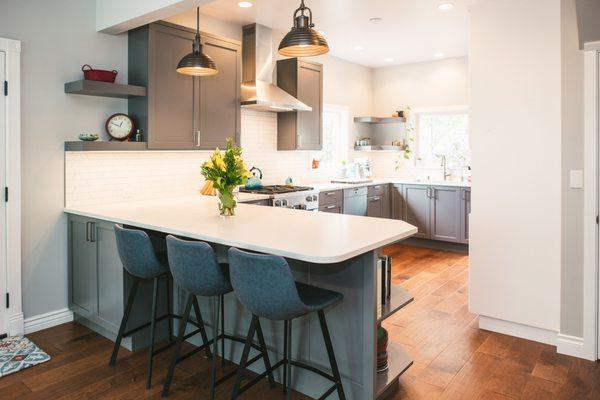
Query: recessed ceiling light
point(446, 6)
point(359, 48)
point(438, 55)
point(245, 4)
point(375, 19)
point(389, 59)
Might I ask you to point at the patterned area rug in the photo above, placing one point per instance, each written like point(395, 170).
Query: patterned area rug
point(17, 353)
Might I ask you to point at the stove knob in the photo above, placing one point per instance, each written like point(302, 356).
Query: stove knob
point(284, 202)
point(309, 198)
point(277, 203)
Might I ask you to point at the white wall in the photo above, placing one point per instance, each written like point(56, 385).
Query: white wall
point(58, 37)
point(515, 249)
point(572, 159)
point(427, 84)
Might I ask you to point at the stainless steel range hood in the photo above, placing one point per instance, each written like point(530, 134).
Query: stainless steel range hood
point(258, 90)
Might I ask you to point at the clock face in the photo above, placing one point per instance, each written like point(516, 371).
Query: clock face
point(119, 126)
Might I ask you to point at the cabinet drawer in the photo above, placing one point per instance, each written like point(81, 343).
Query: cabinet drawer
point(376, 190)
point(330, 197)
point(335, 208)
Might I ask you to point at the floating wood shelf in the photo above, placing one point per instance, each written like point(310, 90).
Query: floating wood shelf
point(398, 362)
point(105, 146)
point(399, 298)
point(380, 120)
point(104, 89)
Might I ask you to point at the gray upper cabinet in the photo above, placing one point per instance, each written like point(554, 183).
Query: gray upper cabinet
point(465, 210)
point(417, 208)
point(220, 95)
point(445, 213)
point(182, 112)
point(301, 130)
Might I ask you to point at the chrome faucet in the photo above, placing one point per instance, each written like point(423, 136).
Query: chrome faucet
point(445, 166)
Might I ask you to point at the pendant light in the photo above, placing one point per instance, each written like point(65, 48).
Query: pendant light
point(197, 63)
point(303, 40)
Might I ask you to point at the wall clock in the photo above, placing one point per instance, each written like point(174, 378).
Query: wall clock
point(120, 127)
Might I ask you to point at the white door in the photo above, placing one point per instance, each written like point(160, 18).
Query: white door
point(3, 228)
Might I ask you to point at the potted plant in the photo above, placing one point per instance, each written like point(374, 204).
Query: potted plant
point(226, 171)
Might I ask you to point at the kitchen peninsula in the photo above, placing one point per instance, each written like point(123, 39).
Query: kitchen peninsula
point(333, 251)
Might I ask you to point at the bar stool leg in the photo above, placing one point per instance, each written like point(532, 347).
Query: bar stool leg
point(123, 326)
point(285, 355)
point(170, 306)
point(288, 365)
point(200, 321)
point(222, 300)
point(215, 324)
point(152, 335)
point(180, 335)
point(244, 359)
point(331, 354)
point(264, 351)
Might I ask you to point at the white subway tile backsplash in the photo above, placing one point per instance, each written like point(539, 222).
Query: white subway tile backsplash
point(93, 178)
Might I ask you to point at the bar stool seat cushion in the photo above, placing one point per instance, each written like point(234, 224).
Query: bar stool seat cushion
point(316, 298)
point(138, 255)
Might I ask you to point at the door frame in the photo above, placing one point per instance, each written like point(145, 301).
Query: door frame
point(12, 49)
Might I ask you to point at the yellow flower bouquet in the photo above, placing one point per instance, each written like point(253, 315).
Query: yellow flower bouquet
point(226, 171)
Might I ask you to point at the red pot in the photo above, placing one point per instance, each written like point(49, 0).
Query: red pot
point(91, 74)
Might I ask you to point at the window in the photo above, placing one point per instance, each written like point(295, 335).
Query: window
point(335, 134)
point(442, 132)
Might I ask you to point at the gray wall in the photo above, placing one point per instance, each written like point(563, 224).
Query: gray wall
point(58, 38)
point(571, 321)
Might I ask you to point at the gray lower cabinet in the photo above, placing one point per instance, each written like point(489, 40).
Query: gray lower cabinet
point(378, 201)
point(331, 201)
point(465, 210)
point(445, 213)
point(417, 208)
point(397, 201)
point(181, 112)
point(98, 284)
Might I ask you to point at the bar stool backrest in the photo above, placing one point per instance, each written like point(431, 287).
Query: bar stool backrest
point(264, 284)
point(137, 253)
point(195, 268)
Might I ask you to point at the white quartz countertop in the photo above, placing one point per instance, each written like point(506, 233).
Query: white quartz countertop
point(322, 186)
point(303, 235)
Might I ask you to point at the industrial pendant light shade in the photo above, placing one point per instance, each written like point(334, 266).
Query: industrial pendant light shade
point(303, 40)
point(197, 63)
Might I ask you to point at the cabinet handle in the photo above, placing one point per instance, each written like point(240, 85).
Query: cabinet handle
point(329, 193)
point(428, 192)
point(298, 140)
point(375, 199)
point(87, 231)
point(434, 193)
point(197, 138)
point(377, 187)
point(92, 232)
point(331, 207)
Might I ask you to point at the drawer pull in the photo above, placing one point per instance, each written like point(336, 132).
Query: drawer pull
point(375, 199)
point(329, 193)
point(331, 207)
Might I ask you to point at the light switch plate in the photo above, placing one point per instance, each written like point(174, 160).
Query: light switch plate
point(576, 179)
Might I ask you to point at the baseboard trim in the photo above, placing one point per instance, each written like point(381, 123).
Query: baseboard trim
point(47, 320)
point(573, 346)
point(518, 330)
point(15, 324)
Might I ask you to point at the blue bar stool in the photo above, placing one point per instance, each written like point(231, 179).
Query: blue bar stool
point(195, 269)
point(265, 286)
point(143, 263)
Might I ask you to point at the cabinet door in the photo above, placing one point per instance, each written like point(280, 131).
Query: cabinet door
point(397, 202)
point(445, 213)
point(386, 208)
point(173, 117)
point(220, 95)
point(335, 208)
point(465, 210)
point(310, 92)
point(375, 207)
point(417, 209)
point(110, 277)
point(82, 267)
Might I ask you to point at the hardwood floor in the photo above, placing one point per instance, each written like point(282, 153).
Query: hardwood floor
point(453, 358)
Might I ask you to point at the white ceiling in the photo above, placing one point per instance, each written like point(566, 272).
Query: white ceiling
point(411, 30)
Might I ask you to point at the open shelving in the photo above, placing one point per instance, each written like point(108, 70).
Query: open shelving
point(398, 300)
point(104, 89)
point(398, 362)
point(380, 120)
point(101, 145)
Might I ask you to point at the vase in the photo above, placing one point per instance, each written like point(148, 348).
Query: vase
point(227, 203)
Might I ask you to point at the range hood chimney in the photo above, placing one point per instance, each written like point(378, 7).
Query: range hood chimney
point(258, 90)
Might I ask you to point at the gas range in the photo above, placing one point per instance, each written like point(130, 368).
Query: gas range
point(297, 197)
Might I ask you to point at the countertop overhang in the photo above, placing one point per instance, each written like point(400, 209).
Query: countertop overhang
point(315, 237)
